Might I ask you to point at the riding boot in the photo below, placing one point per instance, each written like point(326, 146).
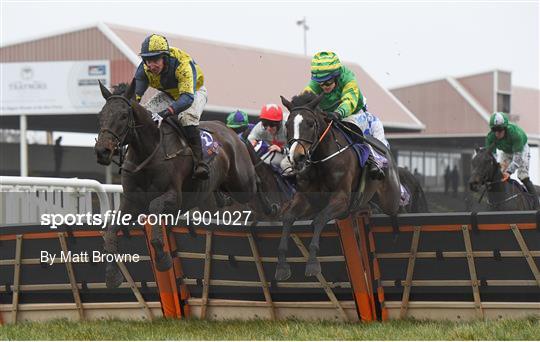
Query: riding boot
point(200, 169)
point(532, 191)
point(374, 171)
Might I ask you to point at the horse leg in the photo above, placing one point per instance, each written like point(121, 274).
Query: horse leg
point(337, 205)
point(298, 207)
point(165, 203)
point(268, 207)
point(113, 275)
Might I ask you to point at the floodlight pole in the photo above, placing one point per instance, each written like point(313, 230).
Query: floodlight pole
point(303, 23)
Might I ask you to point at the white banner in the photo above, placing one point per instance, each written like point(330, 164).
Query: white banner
point(69, 87)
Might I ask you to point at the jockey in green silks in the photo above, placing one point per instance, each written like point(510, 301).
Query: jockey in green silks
point(512, 141)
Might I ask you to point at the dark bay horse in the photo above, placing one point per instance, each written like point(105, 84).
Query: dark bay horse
point(157, 172)
point(272, 189)
point(417, 202)
point(501, 195)
point(331, 183)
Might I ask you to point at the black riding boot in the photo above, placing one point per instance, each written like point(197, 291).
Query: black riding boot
point(374, 171)
point(532, 191)
point(200, 169)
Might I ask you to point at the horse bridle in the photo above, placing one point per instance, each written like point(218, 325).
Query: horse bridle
point(488, 184)
point(315, 142)
point(301, 141)
point(121, 137)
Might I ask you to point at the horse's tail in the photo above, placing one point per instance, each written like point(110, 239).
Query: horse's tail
point(418, 202)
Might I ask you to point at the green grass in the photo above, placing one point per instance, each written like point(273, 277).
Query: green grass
point(164, 329)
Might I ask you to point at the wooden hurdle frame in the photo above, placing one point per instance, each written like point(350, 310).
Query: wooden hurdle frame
point(270, 309)
point(477, 309)
point(77, 310)
point(358, 238)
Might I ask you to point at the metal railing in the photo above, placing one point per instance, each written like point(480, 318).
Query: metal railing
point(25, 199)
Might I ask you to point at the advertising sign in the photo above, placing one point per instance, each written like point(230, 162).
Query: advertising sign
point(68, 87)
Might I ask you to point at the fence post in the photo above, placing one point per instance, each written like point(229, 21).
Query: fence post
point(357, 273)
point(166, 281)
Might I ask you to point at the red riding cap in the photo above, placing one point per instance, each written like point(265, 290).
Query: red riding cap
point(271, 112)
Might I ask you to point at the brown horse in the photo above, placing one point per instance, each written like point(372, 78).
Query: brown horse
point(331, 182)
point(417, 202)
point(157, 172)
point(501, 195)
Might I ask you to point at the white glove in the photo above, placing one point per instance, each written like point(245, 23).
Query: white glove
point(157, 119)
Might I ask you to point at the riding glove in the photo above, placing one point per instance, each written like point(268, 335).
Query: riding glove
point(158, 117)
point(334, 116)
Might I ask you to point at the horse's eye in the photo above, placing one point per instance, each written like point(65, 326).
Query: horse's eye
point(311, 124)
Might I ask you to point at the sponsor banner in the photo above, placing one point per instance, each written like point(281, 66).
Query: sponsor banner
point(69, 87)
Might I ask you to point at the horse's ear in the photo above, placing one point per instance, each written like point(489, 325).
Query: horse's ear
point(476, 148)
point(130, 91)
point(315, 102)
point(104, 91)
point(286, 103)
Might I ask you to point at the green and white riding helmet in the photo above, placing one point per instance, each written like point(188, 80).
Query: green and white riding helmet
point(498, 119)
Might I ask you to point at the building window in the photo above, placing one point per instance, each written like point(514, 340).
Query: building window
point(404, 159)
point(503, 102)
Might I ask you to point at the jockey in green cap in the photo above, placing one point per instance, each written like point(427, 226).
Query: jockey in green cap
point(239, 122)
point(342, 99)
point(512, 141)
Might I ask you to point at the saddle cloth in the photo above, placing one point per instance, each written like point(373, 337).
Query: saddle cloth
point(362, 152)
point(210, 147)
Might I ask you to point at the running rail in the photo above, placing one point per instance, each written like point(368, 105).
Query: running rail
point(91, 184)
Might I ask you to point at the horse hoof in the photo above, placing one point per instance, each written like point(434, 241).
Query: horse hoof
point(283, 272)
point(113, 276)
point(313, 268)
point(164, 263)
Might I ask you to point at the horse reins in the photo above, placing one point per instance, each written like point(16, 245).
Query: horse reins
point(488, 184)
point(121, 137)
point(311, 150)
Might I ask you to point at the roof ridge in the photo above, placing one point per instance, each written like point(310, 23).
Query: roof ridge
point(51, 34)
point(471, 100)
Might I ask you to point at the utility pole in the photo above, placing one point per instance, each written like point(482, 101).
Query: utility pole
point(303, 23)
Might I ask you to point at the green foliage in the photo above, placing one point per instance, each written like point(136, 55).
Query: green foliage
point(165, 329)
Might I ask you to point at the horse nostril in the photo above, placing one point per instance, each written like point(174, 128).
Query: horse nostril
point(100, 150)
point(299, 158)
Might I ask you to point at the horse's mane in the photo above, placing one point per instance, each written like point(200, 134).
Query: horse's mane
point(120, 88)
point(303, 99)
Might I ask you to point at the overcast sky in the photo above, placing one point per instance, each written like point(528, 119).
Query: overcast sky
point(396, 42)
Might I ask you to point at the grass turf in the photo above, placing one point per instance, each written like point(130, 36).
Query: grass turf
point(164, 329)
